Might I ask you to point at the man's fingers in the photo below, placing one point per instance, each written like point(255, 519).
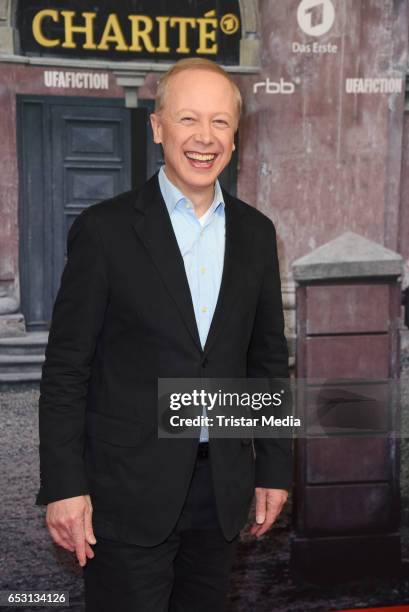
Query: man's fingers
point(70, 524)
point(261, 530)
point(274, 508)
point(269, 503)
point(67, 540)
point(78, 536)
point(61, 539)
point(272, 512)
point(88, 551)
point(271, 515)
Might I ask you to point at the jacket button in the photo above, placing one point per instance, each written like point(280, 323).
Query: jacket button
point(204, 362)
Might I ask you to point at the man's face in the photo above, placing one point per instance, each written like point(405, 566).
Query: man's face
point(196, 128)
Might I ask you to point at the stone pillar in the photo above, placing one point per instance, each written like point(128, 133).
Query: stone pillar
point(11, 321)
point(346, 498)
point(6, 30)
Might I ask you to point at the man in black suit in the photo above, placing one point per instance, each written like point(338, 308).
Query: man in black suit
point(176, 280)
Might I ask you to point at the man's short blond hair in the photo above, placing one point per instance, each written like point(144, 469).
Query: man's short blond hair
point(194, 63)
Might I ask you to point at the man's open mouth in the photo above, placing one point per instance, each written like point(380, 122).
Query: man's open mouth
point(200, 160)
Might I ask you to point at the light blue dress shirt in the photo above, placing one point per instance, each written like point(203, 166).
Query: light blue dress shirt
point(201, 243)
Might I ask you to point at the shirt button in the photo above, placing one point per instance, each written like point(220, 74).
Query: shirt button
point(204, 309)
point(188, 205)
point(202, 269)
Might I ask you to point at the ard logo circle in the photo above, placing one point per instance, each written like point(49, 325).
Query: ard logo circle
point(315, 17)
point(229, 23)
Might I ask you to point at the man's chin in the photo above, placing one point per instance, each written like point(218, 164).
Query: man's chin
point(205, 175)
point(202, 182)
point(196, 178)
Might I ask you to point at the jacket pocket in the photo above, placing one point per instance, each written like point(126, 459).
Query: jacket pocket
point(112, 430)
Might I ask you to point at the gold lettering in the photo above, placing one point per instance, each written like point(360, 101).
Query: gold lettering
point(204, 35)
point(163, 35)
point(183, 22)
point(142, 27)
point(37, 28)
point(141, 34)
point(87, 29)
point(113, 33)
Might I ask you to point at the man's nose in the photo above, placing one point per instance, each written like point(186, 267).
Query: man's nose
point(204, 132)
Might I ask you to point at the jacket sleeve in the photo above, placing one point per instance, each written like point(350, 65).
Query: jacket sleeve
point(268, 358)
point(77, 319)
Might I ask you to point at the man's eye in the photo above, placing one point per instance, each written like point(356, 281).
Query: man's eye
point(187, 119)
point(221, 122)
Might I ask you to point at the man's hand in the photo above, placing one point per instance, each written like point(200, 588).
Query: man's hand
point(269, 503)
point(69, 522)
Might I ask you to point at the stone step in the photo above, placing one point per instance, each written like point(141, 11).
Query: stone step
point(20, 363)
point(33, 343)
point(20, 377)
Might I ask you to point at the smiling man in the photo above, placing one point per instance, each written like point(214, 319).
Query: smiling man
point(195, 157)
point(176, 280)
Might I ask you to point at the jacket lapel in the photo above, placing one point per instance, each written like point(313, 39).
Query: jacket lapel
point(233, 276)
point(155, 231)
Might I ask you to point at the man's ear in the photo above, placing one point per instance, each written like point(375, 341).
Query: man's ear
point(156, 128)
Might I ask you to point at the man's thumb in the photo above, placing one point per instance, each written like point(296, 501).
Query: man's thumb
point(260, 507)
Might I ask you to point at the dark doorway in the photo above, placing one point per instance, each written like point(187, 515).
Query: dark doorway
point(73, 152)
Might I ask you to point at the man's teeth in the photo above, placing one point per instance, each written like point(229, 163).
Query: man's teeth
point(201, 156)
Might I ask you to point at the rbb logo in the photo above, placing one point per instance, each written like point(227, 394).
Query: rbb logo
point(274, 87)
point(315, 17)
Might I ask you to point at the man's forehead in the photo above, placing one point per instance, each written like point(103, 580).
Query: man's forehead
point(198, 93)
point(198, 74)
point(188, 81)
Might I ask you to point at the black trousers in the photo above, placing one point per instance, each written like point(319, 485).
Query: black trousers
point(188, 572)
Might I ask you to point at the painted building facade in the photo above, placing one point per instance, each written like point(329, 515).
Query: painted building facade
point(323, 143)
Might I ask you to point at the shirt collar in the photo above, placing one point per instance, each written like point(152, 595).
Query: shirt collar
point(172, 195)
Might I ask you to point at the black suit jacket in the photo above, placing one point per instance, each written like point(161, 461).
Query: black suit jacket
point(122, 318)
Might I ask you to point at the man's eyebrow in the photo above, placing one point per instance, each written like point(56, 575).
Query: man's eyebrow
point(186, 110)
point(190, 110)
